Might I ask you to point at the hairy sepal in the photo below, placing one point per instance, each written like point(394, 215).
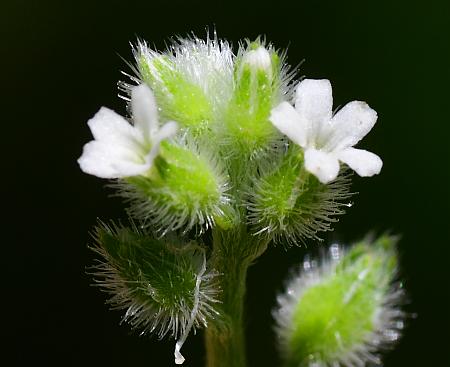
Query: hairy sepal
point(185, 190)
point(343, 310)
point(287, 204)
point(192, 80)
point(246, 128)
point(153, 280)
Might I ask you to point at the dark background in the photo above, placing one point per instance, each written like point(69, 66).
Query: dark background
point(60, 62)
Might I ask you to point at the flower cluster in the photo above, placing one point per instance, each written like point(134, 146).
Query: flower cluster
point(223, 154)
point(121, 149)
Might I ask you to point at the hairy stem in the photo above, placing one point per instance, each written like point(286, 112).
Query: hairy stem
point(225, 344)
point(233, 253)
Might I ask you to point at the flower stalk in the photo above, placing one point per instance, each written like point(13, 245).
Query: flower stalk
point(233, 253)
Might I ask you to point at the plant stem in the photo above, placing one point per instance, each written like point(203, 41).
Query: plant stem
point(233, 253)
point(225, 343)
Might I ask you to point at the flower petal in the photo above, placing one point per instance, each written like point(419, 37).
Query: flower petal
point(351, 124)
point(105, 160)
point(324, 166)
point(110, 127)
point(364, 163)
point(286, 119)
point(167, 130)
point(145, 111)
point(314, 101)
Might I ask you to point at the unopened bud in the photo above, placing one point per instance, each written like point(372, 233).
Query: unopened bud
point(259, 59)
point(343, 310)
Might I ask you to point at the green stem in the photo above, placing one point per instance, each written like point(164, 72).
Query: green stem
point(225, 343)
point(233, 253)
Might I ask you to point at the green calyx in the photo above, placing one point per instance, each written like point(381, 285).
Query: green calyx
point(256, 83)
point(154, 280)
point(184, 189)
point(339, 314)
point(179, 99)
point(289, 204)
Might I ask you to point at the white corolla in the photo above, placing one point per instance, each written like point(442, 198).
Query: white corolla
point(120, 149)
point(327, 138)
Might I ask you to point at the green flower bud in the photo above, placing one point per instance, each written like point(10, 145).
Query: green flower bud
point(154, 280)
point(186, 188)
point(192, 81)
point(343, 311)
point(288, 204)
point(256, 89)
point(180, 100)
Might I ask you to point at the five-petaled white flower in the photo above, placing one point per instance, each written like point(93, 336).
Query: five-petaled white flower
point(327, 139)
point(121, 149)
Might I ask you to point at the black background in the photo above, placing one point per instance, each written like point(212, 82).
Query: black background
point(60, 62)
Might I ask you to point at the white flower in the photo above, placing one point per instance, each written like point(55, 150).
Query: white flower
point(327, 139)
point(121, 149)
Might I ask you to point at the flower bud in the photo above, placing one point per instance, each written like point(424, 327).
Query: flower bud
point(186, 189)
point(258, 59)
point(343, 310)
point(192, 81)
point(180, 99)
point(154, 281)
point(287, 204)
point(256, 89)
